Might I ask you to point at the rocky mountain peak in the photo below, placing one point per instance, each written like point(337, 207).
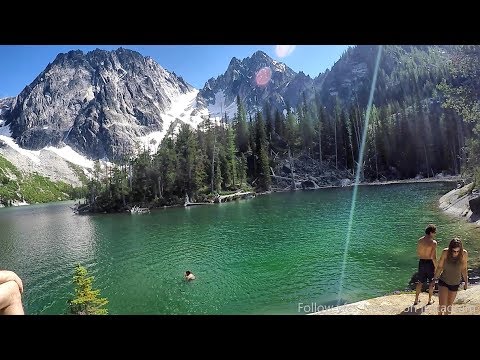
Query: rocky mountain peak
point(99, 102)
point(241, 78)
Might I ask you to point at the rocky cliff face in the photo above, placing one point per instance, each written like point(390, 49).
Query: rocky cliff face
point(257, 80)
point(5, 107)
point(99, 103)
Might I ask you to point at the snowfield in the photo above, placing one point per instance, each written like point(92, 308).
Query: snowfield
point(50, 162)
point(181, 108)
point(219, 108)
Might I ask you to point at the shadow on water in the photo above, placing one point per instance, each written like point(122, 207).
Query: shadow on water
point(334, 303)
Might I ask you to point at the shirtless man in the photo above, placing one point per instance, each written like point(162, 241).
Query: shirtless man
point(427, 254)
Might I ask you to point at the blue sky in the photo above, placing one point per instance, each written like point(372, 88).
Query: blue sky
point(20, 64)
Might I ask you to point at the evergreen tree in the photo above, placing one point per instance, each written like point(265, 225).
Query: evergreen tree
point(167, 162)
point(268, 121)
point(279, 124)
point(242, 169)
point(230, 156)
point(261, 149)
point(305, 124)
point(242, 129)
point(86, 300)
point(187, 151)
point(291, 129)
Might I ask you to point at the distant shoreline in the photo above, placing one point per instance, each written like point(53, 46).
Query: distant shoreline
point(413, 181)
point(449, 178)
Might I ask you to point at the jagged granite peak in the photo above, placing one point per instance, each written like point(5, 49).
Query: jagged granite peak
point(98, 102)
point(285, 86)
point(234, 62)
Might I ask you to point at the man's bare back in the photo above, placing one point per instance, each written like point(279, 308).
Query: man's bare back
point(426, 248)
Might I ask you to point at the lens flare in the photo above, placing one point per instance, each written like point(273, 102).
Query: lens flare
point(284, 50)
point(357, 176)
point(263, 76)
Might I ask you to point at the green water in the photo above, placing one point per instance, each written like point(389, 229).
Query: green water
point(260, 256)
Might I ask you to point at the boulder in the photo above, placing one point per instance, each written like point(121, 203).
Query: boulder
point(475, 205)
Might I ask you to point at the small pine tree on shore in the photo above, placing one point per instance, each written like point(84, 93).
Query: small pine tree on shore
point(86, 301)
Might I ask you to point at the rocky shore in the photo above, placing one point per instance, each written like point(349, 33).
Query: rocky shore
point(467, 302)
point(462, 203)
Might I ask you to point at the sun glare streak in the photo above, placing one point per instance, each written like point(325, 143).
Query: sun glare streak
point(357, 176)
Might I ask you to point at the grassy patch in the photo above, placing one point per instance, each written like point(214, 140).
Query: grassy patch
point(8, 185)
point(33, 188)
point(39, 189)
point(9, 191)
point(7, 167)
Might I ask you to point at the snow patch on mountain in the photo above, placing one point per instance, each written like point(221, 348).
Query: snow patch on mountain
point(89, 95)
point(183, 107)
point(218, 108)
point(71, 155)
point(32, 155)
point(50, 161)
point(278, 66)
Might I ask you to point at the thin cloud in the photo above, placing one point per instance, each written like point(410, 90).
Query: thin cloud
point(284, 50)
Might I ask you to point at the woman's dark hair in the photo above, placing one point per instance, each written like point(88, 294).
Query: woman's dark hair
point(187, 272)
point(455, 243)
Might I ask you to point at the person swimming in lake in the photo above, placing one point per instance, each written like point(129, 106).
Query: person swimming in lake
point(452, 267)
point(189, 275)
point(427, 254)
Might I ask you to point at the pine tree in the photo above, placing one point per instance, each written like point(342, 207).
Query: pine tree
point(167, 168)
point(305, 124)
point(242, 169)
point(263, 171)
point(320, 128)
point(230, 155)
point(268, 121)
point(86, 300)
point(335, 121)
point(279, 124)
point(242, 129)
point(291, 130)
point(187, 151)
